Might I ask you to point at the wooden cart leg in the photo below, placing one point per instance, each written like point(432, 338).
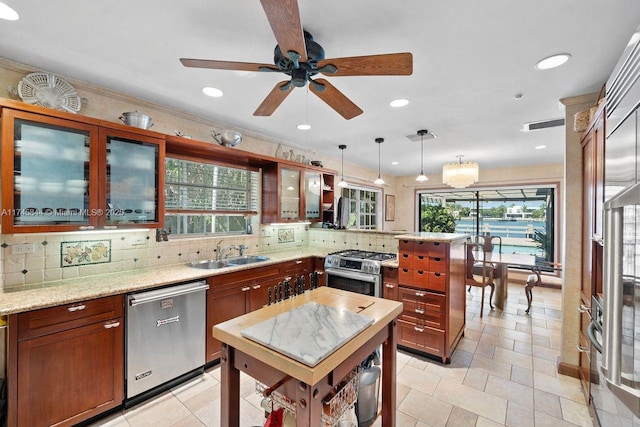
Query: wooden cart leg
point(230, 389)
point(389, 377)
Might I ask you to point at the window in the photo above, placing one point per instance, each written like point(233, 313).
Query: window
point(524, 217)
point(204, 198)
point(364, 205)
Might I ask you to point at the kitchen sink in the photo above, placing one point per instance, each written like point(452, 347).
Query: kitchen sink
point(212, 264)
point(246, 259)
point(209, 264)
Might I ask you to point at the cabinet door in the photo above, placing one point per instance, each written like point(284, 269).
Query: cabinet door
point(70, 376)
point(49, 173)
point(312, 190)
point(328, 198)
point(222, 305)
point(290, 193)
point(390, 283)
point(133, 180)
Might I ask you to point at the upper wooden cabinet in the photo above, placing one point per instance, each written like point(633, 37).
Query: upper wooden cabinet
point(60, 174)
point(291, 193)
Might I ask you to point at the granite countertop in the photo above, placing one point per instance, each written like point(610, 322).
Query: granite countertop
point(60, 292)
point(432, 237)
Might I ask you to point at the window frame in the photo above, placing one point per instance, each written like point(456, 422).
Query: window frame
point(378, 207)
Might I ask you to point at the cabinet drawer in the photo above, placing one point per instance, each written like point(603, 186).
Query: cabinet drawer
point(432, 300)
point(421, 262)
point(390, 274)
point(405, 246)
point(421, 338)
point(405, 259)
point(49, 320)
point(434, 249)
point(405, 276)
point(438, 265)
point(429, 280)
point(423, 314)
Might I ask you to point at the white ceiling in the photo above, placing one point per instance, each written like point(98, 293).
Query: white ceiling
point(469, 60)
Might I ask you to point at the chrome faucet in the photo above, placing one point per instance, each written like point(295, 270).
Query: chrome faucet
point(222, 252)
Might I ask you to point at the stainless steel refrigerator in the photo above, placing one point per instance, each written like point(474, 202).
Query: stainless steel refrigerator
point(615, 327)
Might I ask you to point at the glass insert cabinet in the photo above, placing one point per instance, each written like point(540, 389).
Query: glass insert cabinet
point(70, 175)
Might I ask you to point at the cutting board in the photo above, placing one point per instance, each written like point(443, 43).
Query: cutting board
point(308, 333)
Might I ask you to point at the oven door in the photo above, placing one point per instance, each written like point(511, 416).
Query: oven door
point(354, 281)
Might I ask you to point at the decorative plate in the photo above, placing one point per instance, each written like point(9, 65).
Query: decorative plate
point(50, 91)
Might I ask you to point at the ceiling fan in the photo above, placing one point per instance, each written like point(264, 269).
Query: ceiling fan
point(300, 57)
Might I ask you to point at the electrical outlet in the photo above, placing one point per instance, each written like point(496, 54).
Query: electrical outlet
point(22, 248)
point(137, 241)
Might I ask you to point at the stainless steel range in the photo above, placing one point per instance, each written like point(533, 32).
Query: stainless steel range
point(356, 271)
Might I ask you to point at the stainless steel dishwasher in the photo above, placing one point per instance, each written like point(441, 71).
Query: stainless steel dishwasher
point(165, 338)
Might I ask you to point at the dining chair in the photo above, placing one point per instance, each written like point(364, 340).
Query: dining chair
point(487, 241)
point(480, 273)
point(535, 279)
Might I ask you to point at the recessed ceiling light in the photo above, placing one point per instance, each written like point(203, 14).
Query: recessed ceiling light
point(8, 13)
point(540, 147)
point(394, 163)
point(397, 103)
point(304, 127)
point(552, 61)
point(212, 91)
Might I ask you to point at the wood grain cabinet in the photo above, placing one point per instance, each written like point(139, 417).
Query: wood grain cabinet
point(430, 284)
point(68, 362)
point(292, 193)
point(68, 172)
point(390, 283)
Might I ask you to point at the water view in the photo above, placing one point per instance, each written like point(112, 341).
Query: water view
point(517, 235)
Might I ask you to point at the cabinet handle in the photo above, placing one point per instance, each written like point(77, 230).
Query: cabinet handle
point(110, 227)
point(86, 227)
point(77, 308)
point(418, 329)
point(256, 287)
point(584, 309)
point(420, 294)
point(582, 349)
point(246, 288)
point(299, 261)
point(112, 325)
point(390, 285)
point(419, 310)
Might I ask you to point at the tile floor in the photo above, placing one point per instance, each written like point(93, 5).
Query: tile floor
point(503, 373)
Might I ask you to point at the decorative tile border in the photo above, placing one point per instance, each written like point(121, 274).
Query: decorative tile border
point(85, 252)
point(285, 235)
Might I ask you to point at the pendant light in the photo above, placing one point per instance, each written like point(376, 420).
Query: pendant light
point(460, 175)
point(422, 177)
point(379, 180)
point(342, 182)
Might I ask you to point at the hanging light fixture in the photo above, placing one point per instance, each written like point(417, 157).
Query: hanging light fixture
point(342, 182)
point(379, 180)
point(422, 177)
point(460, 175)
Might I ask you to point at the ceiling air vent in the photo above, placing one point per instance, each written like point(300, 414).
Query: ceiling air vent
point(529, 127)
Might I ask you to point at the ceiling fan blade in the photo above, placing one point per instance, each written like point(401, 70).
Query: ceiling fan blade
point(284, 17)
point(226, 65)
point(334, 98)
point(274, 99)
point(391, 64)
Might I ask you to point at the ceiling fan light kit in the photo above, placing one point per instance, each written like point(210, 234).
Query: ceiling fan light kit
point(460, 175)
point(300, 57)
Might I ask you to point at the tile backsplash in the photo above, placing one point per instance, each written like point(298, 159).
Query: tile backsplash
point(118, 251)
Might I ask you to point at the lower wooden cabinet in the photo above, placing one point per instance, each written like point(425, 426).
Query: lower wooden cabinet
point(390, 283)
point(68, 362)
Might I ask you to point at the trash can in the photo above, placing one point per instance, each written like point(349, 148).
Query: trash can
point(368, 393)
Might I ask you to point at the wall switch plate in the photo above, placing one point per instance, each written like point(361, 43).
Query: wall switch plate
point(22, 248)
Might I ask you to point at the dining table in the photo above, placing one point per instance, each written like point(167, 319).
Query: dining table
point(502, 263)
point(296, 351)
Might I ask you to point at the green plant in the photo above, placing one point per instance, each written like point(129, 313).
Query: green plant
point(437, 219)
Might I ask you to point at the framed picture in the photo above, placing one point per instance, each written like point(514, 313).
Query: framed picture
point(390, 207)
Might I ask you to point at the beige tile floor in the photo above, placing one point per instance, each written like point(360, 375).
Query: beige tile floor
point(503, 373)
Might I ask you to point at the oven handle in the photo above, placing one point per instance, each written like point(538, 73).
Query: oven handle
point(372, 278)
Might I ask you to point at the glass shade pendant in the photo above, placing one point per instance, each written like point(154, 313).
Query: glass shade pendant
point(422, 177)
point(342, 182)
point(379, 180)
point(460, 175)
